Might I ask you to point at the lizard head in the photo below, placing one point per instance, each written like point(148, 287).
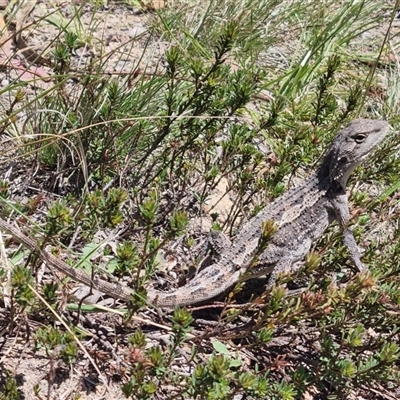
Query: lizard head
point(352, 145)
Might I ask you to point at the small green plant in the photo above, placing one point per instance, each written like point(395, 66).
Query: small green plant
point(21, 280)
point(57, 344)
point(8, 388)
point(150, 367)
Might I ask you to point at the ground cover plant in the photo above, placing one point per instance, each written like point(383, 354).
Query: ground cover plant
point(121, 152)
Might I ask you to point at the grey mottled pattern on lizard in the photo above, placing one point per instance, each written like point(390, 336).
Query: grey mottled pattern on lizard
point(301, 216)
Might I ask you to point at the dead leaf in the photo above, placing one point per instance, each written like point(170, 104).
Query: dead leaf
point(5, 40)
point(37, 76)
point(153, 4)
point(24, 8)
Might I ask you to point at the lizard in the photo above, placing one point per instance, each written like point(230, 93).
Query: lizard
point(300, 216)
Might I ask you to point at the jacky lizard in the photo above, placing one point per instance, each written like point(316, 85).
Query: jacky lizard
point(301, 215)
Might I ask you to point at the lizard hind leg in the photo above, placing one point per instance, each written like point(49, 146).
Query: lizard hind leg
point(285, 264)
point(295, 267)
point(217, 244)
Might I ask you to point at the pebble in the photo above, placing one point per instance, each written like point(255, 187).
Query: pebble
point(136, 31)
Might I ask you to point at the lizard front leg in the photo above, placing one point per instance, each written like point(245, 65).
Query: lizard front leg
point(341, 209)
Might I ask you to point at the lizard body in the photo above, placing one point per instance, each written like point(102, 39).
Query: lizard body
point(301, 215)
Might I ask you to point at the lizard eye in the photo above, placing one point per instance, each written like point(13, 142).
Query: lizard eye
point(343, 160)
point(360, 138)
